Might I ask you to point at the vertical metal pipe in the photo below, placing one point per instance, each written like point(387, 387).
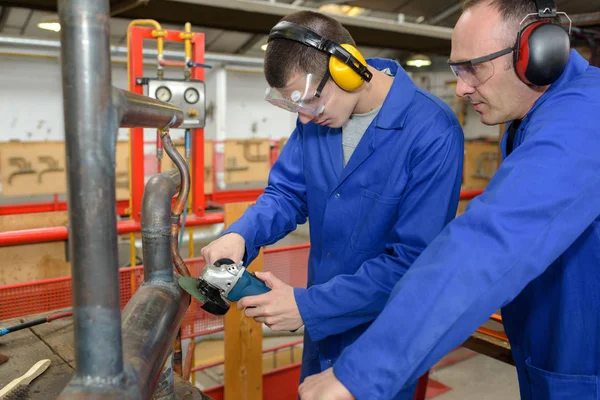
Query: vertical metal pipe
point(91, 126)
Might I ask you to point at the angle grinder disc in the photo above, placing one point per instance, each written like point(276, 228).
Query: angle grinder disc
point(216, 306)
point(190, 285)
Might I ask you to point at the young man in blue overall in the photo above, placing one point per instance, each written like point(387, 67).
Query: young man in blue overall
point(530, 244)
point(374, 163)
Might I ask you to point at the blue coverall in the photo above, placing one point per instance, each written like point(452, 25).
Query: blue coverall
point(530, 244)
point(369, 220)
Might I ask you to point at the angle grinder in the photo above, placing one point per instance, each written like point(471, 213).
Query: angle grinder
point(220, 283)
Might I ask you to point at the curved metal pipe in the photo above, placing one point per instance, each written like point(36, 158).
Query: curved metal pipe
point(179, 203)
point(156, 225)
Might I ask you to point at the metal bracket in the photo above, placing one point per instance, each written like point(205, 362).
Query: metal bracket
point(24, 167)
point(52, 166)
point(256, 157)
point(232, 166)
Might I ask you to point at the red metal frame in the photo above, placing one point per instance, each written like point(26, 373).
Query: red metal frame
point(135, 55)
point(32, 208)
point(265, 351)
point(469, 194)
point(278, 384)
point(60, 233)
point(218, 198)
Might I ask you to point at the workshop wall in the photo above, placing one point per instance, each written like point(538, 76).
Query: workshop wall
point(248, 114)
point(31, 103)
point(439, 83)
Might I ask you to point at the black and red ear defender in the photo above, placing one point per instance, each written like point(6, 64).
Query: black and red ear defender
point(542, 48)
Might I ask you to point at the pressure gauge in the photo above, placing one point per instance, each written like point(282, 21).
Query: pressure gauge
point(191, 95)
point(163, 93)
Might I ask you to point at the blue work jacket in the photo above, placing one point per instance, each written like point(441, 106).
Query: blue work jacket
point(369, 220)
point(530, 244)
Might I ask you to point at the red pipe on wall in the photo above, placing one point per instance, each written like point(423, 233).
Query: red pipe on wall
point(60, 233)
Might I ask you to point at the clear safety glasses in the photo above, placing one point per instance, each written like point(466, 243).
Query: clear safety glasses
point(479, 70)
point(303, 95)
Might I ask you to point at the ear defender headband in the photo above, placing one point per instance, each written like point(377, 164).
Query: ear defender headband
point(542, 48)
point(347, 66)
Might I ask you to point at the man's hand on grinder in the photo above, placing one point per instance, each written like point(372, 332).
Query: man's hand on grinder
point(230, 246)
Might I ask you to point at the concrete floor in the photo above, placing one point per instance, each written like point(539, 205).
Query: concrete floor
point(478, 378)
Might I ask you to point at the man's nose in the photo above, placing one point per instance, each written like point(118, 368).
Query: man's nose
point(462, 88)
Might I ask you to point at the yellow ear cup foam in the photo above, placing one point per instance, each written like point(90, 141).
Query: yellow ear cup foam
point(342, 74)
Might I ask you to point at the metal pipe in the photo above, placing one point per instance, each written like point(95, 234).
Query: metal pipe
point(151, 319)
point(122, 51)
point(143, 112)
point(91, 135)
point(156, 225)
point(179, 203)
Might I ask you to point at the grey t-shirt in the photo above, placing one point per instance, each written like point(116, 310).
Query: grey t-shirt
point(354, 129)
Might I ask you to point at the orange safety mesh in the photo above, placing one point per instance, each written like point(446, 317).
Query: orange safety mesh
point(287, 263)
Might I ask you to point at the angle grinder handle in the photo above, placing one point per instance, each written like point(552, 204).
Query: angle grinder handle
point(247, 285)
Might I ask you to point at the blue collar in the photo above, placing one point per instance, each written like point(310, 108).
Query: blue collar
point(576, 66)
point(394, 109)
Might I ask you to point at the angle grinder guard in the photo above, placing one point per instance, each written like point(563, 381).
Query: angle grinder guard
point(220, 283)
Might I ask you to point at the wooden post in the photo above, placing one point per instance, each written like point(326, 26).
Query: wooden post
point(243, 337)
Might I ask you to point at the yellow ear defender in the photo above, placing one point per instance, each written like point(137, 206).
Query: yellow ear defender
point(344, 75)
point(347, 66)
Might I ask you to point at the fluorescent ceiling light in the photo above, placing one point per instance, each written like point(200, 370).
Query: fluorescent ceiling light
point(49, 23)
point(350, 11)
point(418, 60)
point(264, 47)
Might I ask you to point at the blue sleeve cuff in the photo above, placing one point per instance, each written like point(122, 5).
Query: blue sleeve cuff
point(351, 382)
point(310, 323)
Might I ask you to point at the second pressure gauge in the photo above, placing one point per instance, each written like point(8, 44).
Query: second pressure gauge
point(163, 94)
point(191, 95)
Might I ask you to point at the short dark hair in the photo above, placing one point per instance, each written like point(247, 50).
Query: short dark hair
point(512, 12)
point(284, 58)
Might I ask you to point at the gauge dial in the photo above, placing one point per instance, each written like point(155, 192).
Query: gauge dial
point(191, 95)
point(163, 94)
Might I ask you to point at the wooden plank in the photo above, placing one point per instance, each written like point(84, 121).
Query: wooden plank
point(243, 337)
point(33, 261)
point(46, 166)
point(246, 161)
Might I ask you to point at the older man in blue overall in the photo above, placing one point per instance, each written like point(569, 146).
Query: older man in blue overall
point(530, 244)
point(374, 163)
